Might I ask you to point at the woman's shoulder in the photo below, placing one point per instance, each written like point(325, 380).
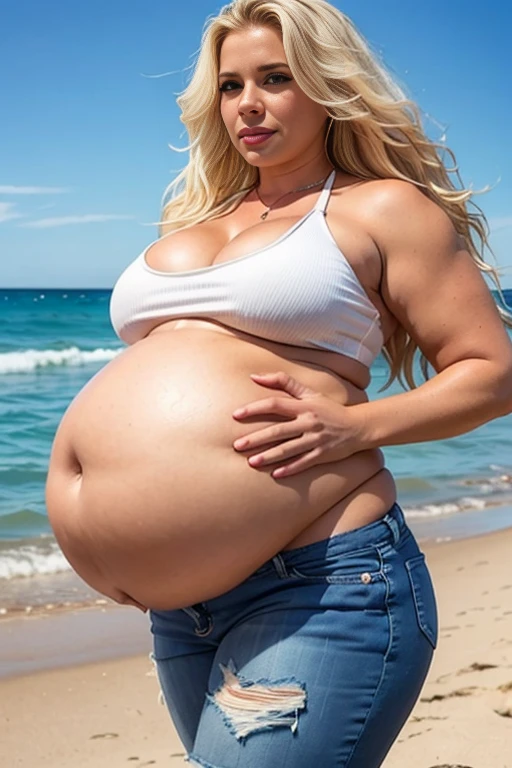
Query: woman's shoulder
point(379, 195)
point(392, 208)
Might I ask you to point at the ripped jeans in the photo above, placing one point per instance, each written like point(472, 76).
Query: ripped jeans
point(315, 659)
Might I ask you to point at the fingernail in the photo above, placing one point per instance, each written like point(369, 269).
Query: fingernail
point(240, 443)
point(238, 413)
point(258, 374)
point(255, 460)
point(279, 473)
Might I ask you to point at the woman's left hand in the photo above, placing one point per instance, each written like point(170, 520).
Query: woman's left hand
point(317, 430)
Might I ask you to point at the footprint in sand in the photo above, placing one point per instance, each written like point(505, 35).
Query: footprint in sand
point(442, 678)
point(505, 706)
point(151, 762)
point(505, 709)
point(459, 692)
point(417, 719)
point(476, 667)
point(418, 733)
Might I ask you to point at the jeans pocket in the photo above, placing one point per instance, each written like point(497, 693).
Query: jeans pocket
point(329, 567)
point(424, 597)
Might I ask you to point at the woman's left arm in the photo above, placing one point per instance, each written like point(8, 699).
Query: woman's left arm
point(436, 292)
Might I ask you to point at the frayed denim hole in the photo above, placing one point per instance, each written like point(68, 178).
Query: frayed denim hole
point(248, 707)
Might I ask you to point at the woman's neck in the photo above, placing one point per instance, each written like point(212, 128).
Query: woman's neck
point(274, 182)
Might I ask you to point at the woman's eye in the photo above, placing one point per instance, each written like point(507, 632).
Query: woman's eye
point(225, 86)
point(281, 78)
point(231, 85)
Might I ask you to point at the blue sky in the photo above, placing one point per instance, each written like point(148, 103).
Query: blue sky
point(86, 124)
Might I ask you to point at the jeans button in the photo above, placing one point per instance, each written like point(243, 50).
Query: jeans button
point(366, 578)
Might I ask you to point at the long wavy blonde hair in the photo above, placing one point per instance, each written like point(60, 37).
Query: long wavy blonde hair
point(376, 132)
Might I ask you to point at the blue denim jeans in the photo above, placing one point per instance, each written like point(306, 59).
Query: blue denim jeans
point(315, 659)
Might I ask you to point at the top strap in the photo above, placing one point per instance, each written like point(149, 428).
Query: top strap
point(321, 203)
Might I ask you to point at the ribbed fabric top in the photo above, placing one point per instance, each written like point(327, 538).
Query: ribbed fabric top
point(299, 290)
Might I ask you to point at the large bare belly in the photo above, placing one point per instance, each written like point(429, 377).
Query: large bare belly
point(148, 498)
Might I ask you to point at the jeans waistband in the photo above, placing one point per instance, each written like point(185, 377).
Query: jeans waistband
point(387, 530)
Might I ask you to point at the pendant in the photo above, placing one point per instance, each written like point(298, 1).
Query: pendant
point(264, 215)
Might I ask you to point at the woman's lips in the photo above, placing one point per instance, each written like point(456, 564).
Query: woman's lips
point(256, 138)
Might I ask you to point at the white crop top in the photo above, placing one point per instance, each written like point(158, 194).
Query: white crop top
point(299, 290)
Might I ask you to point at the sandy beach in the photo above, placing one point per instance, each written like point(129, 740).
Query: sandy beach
point(58, 709)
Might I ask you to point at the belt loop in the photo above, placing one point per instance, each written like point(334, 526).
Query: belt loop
point(393, 525)
point(202, 618)
point(280, 566)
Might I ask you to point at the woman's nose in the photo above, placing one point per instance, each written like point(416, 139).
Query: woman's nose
point(250, 101)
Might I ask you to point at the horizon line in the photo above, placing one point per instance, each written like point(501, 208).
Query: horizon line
point(57, 288)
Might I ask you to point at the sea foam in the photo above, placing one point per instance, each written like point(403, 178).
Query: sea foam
point(32, 560)
point(32, 359)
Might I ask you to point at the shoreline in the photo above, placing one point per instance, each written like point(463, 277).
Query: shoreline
point(102, 714)
point(71, 638)
point(54, 594)
point(98, 629)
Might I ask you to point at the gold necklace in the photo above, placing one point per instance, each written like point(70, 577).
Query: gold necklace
point(299, 189)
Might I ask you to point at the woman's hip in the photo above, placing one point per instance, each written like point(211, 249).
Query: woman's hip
point(367, 503)
point(377, 570)
point(344, 629)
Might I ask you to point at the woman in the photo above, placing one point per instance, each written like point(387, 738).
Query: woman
point(315, 225)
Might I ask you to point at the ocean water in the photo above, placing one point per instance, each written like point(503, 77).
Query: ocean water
point(53, 341)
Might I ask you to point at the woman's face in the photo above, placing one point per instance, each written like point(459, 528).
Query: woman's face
point(255, 98)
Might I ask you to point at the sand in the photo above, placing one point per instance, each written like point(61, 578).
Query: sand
point(107, 715)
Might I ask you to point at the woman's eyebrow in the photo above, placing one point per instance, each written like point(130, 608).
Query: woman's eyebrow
point(263, 68)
